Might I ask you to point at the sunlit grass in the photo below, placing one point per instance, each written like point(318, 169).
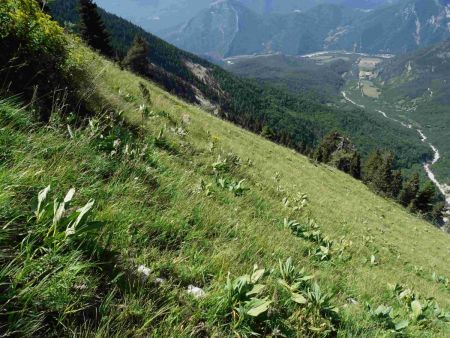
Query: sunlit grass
point(167, 195)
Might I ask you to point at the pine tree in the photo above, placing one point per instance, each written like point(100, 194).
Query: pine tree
point(437, 213)
point(93, 29)
point(355, 166)
point(410, 191)
point(136, 58)
point(397, 183)
point(371, 166)
point(383, 174)
point(424, 200)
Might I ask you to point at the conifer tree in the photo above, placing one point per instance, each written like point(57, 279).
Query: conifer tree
point(424, 199)
point(371, 166)
point(355, 166)
point(437, 213)
point(136, 58)
point(409, 191)
point(397, 183)
point(383, 174)
point(93, 29)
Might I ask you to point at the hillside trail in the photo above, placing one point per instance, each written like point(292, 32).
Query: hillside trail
point(443, 188)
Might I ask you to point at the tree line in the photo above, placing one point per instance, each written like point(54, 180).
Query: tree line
point(379, 173)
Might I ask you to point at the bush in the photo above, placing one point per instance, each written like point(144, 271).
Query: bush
point(33, 50)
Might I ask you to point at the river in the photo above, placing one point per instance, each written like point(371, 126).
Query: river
point(443, 188)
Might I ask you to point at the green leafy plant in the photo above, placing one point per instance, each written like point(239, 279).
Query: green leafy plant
point(294, 281)
point(62, 225)
point(385, 315)
point(421, 311)
point(244, 298)
point(308, 230)
point(237, 188)
point(323, 252)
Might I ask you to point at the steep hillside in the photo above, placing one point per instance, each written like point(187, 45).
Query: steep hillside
point(171, 205)
point(299, 121)
point(402, 26)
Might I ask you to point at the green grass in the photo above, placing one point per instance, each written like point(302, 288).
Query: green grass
point(158, 197)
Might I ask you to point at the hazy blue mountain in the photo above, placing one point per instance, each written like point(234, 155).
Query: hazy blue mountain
point(288, 6)
point(228, 28)
point(402, 27)
point(157, 15)
point(215, 29)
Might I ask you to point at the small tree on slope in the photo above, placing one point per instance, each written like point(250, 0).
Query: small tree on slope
point(93, 30)
point(410, 191)
point(136, 58)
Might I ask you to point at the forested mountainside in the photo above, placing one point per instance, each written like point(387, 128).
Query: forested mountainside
point(403, 26)
point(126, 211)
point(299, 121)
point(418, 86)
point(294, 74)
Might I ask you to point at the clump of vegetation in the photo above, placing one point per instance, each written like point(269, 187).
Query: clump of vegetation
point(380, 175)
point(340, 152)
point(33, 54)
point(49, 272)
point(248, 307)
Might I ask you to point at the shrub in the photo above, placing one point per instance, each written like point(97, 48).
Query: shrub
point(33, 50)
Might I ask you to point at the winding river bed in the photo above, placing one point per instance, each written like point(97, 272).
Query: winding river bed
point(443, 188)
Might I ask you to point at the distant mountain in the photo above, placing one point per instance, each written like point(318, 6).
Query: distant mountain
point(158, 15)
point(155, 15)
point(415, 75)
point(405, 26)
point(288, 6)
point(229, 28)
point(217, 30)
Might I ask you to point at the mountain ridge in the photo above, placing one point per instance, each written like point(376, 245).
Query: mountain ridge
point(395, 28)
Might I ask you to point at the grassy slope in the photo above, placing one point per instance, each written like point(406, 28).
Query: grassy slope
point(189, 237)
